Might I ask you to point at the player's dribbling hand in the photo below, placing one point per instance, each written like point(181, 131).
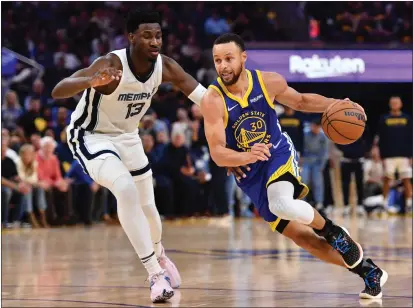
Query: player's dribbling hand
point(259, 151)
point(105, 76)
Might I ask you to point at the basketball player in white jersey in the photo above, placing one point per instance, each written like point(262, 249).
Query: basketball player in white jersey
point(103, 135)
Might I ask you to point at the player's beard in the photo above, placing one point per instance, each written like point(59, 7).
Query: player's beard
point(234, 78)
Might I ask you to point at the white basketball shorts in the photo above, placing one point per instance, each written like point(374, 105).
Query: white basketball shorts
point(92, 149)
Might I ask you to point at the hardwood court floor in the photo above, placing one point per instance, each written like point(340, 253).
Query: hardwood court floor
point(222, 263)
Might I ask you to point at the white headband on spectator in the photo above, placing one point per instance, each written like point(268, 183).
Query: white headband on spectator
point(197, 94)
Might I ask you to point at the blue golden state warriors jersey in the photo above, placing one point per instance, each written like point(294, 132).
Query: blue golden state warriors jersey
point(251, 120)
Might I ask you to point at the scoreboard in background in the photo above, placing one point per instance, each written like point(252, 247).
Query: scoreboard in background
point(335, 65)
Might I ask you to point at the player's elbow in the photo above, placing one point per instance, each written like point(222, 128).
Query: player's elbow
point(299, 104)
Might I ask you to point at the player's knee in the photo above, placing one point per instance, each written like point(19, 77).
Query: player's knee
point(125, 190)
point(281, 207)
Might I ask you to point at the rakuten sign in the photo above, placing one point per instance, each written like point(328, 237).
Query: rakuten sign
point(334, 65)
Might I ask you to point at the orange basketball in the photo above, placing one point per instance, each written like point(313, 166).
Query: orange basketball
point(343, 122)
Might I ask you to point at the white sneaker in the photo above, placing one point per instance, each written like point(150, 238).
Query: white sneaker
point(160, 287)
point(361, 211)
point(170, 270)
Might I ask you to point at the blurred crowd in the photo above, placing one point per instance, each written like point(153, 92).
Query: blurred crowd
point(356, 21)
point(43, 185)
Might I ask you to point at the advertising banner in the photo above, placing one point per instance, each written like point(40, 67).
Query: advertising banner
point(335, 65)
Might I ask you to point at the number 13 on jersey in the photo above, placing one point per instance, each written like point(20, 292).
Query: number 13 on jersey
point(134, 109)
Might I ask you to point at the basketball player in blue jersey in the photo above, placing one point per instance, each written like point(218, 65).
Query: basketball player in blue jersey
point(242, 128)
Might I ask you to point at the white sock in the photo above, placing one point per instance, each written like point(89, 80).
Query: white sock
point(409, 202)
point(134, 222)
point(147, 199)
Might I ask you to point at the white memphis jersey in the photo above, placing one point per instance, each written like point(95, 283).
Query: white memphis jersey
point(121, 111)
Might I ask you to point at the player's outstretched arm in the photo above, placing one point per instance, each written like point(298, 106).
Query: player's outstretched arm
point(212, 109)
point(174, 73)
point(305, 102)
point(101, 72)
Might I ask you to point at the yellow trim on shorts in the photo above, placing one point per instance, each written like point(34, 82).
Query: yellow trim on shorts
point(242, 101)
point(225, 104)
point(274, 224)
point(291, 167)
point(264, 90)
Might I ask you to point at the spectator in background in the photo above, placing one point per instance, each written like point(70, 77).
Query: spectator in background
point(35, 141)
point(352, 160)
point(152, 125)
point(159, 125)
point(373, 180)
point(100, 51)
point(162, 138)
point(11, 185)
point(293, 126)
point(197, 126)
point(314, 159)
point(183, 125)
point(38, 91)
point(63, 153)
point(190, 48)
point(83, 191)
point(394, 138)
point(10, 153)
point(43, 56)
point(61, 123)
point(72, 62)
point(58, 72)
point(182, 172)
point(163, 185)
point(11, 110)
point(147, 125)
point(216, 25)
point(27, 169)
point(33, 120)
point(55, 186)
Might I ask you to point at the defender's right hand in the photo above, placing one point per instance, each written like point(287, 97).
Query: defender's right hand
point(259, 151)
point(105, 76)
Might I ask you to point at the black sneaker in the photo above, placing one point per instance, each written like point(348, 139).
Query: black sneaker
point(340, 240)
point(374, 278)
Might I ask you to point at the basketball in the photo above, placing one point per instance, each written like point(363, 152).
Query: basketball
point(343, 122)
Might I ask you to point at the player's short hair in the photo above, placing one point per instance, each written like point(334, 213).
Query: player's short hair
point(140, 16)
point(230, 37)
